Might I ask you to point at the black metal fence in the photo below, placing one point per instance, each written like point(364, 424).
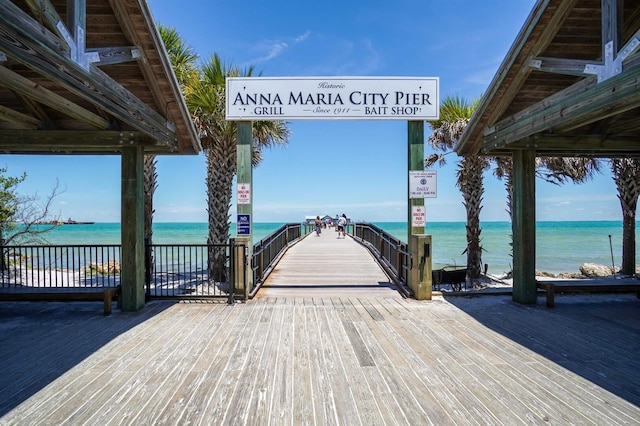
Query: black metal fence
point(268, 251)
point(392, 253)
point(184, 271)
point(59, 266)
point(172, 270)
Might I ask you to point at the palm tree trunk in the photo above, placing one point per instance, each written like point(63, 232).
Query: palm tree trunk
point(221, 167)
point(626, 175)
point(471, 185)
point(150, 185)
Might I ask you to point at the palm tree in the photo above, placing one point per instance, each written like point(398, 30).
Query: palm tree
point(206, 102)
point(182, 56)
point(626, 175)
point(455, 113)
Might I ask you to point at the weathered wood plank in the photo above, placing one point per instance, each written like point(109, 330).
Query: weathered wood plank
point(206, 404)
point(304, 360)
point(258, 409)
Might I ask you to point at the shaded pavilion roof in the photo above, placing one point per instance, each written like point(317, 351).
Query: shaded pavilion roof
point(80, 76)
point(561, 90)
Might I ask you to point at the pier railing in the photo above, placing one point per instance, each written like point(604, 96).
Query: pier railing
point(172, 270)
point(58, 266)
point(268, 251)
point(392, 253)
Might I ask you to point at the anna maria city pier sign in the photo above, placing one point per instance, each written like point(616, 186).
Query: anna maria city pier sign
point(332, 98)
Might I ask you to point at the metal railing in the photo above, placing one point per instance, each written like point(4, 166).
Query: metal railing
point(179, 270)
point(172, 270)
point(185, 270)
point(268, 251)
point(58, 266)
point(392, 253)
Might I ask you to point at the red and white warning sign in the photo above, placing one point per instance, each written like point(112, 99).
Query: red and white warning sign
point(418, 215)
point(243, 193)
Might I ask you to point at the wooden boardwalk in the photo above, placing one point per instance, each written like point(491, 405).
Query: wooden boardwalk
point(323, 355)
point(328, 266)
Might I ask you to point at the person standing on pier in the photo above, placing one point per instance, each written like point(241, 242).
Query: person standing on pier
point(318, 224)
point(342, 222)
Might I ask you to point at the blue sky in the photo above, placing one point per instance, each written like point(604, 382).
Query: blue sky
point(329, 167)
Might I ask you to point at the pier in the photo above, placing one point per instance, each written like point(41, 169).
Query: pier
point(328, 266)
point(328, 340)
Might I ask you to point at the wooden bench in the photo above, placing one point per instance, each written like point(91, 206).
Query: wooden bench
point(61, 294)
point(449, 275)
point(553, 287)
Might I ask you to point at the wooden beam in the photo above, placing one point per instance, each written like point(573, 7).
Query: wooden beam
point(612, 26)
point(46, 14)
point(587, 144)
point(611, 97)
point(116, 55)
point(77, 27)
point(41, 51)
point(524, 227)
point(23, 141)
point(560, 66)
point(127, 27)
point(36, 109)
point(28, 88)
point(180, 108)
point(132, 231)
point(15, 117)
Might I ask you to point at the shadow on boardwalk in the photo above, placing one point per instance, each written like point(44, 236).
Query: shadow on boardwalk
point(596, 337)
point(323, 360)
point(40, 342)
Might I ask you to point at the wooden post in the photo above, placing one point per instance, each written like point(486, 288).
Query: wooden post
point(416, 162)
point(244, 175)
point(420, 281)
point(132, 231)
point(416, 279)
point(524, 227)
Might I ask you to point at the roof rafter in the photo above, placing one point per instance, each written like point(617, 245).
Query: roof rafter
point(31, 90)
point(612, 64)
point(614, 96)
point(43, 52)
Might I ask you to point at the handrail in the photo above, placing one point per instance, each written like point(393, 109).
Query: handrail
point(268, 251)
point(56, 266)
point(392, 253)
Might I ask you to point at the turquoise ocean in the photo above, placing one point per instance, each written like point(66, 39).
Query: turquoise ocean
point(561, 246)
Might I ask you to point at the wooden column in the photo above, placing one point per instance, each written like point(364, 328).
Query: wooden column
point(416, 279)
point(132, 232)
point(245, 175)
point(415, 136)
point(524, 227)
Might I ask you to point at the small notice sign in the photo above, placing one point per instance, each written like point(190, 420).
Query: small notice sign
point(243, 224)
point(418, 216)
point(243, 194)
point(423, 184)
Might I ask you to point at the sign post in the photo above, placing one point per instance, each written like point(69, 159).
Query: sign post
point(244, 198)
point(416, 164)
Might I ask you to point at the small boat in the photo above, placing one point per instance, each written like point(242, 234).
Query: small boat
point(75, 222)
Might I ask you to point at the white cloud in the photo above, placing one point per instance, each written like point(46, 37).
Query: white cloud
point(275, 48)
point(302, 37)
